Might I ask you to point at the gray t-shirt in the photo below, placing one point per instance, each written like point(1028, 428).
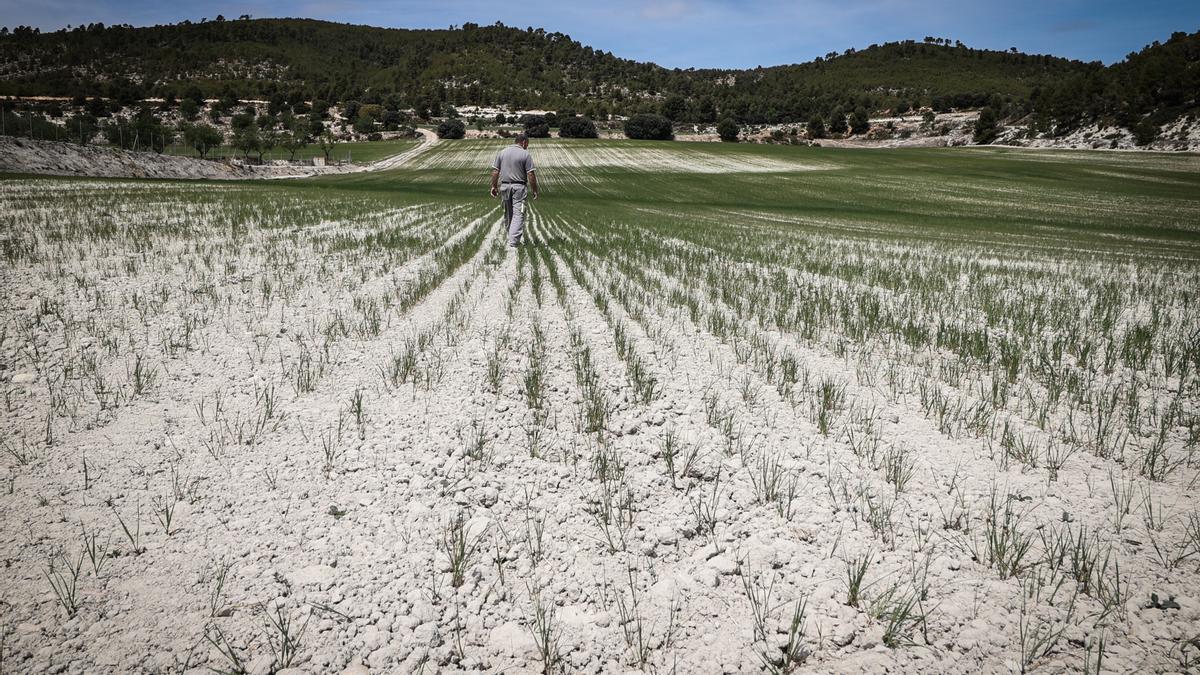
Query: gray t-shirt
point(513, 163)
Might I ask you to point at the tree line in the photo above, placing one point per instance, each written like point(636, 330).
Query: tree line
point(293, 61)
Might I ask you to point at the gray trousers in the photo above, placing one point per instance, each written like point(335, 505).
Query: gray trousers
point(512, 195)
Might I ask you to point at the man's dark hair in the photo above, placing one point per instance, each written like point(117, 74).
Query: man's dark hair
point(520, 138)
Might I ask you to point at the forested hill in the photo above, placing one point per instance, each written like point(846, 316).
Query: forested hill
point(295, 59)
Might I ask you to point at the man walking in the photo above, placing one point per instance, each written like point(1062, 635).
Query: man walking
point(512, 174)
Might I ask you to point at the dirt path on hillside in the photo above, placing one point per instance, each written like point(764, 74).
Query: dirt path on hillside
point(395, 161)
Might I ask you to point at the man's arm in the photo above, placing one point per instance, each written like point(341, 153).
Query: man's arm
point(532, 178)
point(495, 182)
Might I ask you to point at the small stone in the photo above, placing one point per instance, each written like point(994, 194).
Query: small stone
point(374, 638)
point(723, 564)
point(313, 575)
point(648, 547)
point(575, 616)
point(706, 576)
point(869, 638)
point(489, 496)
point(842, 634)
point(423, 612)
point(477, 527)
point(666, 536)
point(428, 634)
point(1163, 602)
point(24, 378)
point(511, 639)
point(383, 658)
point(260, 665)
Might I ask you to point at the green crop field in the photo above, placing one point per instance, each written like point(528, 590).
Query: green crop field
point(730, 408)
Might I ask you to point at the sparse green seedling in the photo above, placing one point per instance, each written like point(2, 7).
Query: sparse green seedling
point(64, 581)
point(758, 593)
point(642, 636)
point(856, 574)
point(547, 634)
point(358, 410)
point(332, 451)
point(899, 610)
point(495, 369)
point(1004, 546)
point(774, 483)
point(164, 512)
point(132, 533)
point(898, 466)
point(1122, 494)
point(459, 547)
point(217, 575)
point(476, 443)
point(98, 553)
point(235, 665)
point(284, 636)
point(828, 399)
point(793, 653)
point(142, 376)
point(705, 511)
point(1039, 636)
point(23, 455)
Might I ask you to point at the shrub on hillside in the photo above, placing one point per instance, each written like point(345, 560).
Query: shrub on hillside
point(649, 127)
point(577, 127)
point(727, 129)
point(364, 124)
point(535, 126)
point(987, 127)
point(816, 127)
point(837, 121)
point(1145, 132)
point(860, 123)
point(451, 129)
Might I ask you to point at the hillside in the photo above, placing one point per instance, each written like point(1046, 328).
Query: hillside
point(316, 59)
point(291, 60)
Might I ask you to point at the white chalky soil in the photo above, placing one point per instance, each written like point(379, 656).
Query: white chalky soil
point(248, 433)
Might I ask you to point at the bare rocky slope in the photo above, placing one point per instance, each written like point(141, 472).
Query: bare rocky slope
point(69, 159)
point(19, 155)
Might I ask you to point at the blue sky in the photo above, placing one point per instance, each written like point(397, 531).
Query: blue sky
point(705, 33)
